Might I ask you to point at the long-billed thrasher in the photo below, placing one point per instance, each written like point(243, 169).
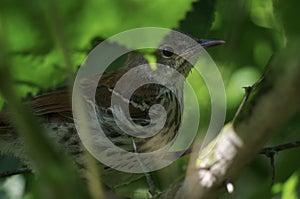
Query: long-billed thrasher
point(54, 109)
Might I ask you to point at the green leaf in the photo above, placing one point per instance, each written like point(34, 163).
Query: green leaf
point(199, 19)
point(290, 187)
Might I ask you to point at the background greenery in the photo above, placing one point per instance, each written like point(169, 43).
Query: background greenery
point(46, 41)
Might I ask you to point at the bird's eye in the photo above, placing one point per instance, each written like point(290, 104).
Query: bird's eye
point(167, 52)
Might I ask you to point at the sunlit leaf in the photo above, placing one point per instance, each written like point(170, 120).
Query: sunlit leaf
point(289, 190)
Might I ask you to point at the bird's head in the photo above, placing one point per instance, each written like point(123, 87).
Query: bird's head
point(177, 51)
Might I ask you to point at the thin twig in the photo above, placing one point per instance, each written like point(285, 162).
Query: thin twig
point(152, 187)
point(248, 90)
point(272, 161)
point(271, 151)
point(268, 150)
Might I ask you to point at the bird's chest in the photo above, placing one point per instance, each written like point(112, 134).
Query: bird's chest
point(143, 108)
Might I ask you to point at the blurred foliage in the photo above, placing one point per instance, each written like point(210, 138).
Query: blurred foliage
point(290, 187)
point(48, 40)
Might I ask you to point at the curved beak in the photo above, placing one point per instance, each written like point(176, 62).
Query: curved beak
point(206, 43)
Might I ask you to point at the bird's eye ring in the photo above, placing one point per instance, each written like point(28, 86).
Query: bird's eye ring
point(167, 52)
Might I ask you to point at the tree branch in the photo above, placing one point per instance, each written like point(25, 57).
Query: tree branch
point(274, 101)
point(268, 150)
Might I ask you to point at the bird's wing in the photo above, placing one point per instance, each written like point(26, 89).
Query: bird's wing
point(56, 105)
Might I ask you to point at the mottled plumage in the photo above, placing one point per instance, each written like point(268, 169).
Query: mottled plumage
point(54, 109)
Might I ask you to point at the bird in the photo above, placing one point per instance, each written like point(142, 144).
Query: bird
point(54, 108)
